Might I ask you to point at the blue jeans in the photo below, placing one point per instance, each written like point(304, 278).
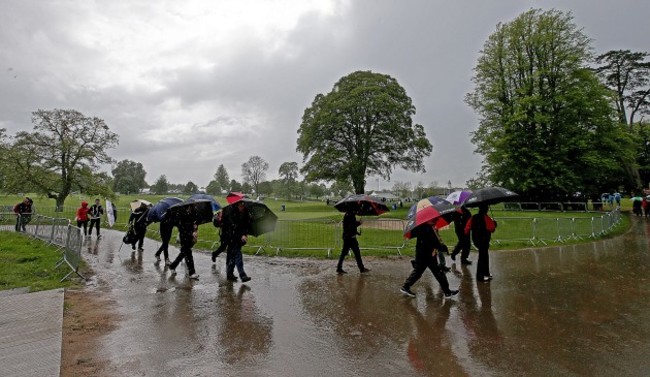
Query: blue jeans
point(234, 259)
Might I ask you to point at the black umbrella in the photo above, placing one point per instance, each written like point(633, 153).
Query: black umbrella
point(199, 197)
point(199, 212)
point(362, 205)
point(263, 220)
point(488, 196)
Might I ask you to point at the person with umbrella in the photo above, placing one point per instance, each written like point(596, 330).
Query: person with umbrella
point(428, 244)
point(166, 229)
point(464, 244)
point(188, 234)
point(236, 225)
point(223, 240)
point(350, 233)
point(481, 226)
point(138, 222)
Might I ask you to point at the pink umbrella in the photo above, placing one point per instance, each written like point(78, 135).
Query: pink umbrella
point(234, 197)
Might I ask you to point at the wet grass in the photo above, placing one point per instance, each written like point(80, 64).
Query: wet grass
point(26, 262)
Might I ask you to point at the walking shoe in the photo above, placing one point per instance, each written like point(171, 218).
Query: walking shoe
point(231, 277)
point(451, 293)
point(407, 292)
point(173, 271)
point(340, 271)
point(194, 276)
point(244, 279)
point(413, 263)
point(466, 262)
point(167, 262)
point(453, 257)
point(490, 277)
point(445, 269)
point(364, 270)
point(140, 249)
point(157, 258)
point(99, 236)
point(214, 258)
point(484, 278)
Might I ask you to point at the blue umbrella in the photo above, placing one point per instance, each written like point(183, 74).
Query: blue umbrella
point(158, 211)
point(201, 197)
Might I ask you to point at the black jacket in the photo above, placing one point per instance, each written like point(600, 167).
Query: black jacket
point(350, 225)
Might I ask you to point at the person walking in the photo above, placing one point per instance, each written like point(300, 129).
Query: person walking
point(464, 244)
point(350, 233)
point(236, 224)
point(82, 217)
point(95, 213)
point(427, 245)
point(166, 229)
point(481, 226)
point(139, 224)
point(223, 239)
point(23, 211)
point(188, 233)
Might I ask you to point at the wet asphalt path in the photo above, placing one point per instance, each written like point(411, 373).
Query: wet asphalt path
point(561, 311)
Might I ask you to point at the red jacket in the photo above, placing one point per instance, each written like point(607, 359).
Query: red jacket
point(490, 225)
point(82, 212)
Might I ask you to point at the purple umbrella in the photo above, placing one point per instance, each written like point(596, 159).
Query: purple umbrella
point(458, 197)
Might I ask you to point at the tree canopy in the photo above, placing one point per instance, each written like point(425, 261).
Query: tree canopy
point(254, 171)
point(161, 186)
point(362, 127)
point(63, 152)
point(547, 127)
point(128, 177)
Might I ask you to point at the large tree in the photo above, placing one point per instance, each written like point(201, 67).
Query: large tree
point(289, 173)
point(362, 127)
point(547, 127)
point(221, 178)
point(161, 186)
point(254, 171)
point(627, 75)
point(63, 151)
point(128, 177)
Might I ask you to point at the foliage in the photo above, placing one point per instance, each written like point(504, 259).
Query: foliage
point(254, 171)
point(128, 177)
point(546, 125)
point(235, 186)
point(402, 189)
point(190, 188)
point(59, 155)
point(221, 179)
point(362, 127)
point(161, 186)
point(289, 173)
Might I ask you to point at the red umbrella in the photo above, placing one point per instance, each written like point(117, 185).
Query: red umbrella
point(431, 208)
point(234, 196)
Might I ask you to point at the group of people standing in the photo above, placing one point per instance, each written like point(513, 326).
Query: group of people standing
point(92, 215)
point(430, 249)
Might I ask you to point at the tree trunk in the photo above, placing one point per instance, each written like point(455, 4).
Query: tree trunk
point(60, 199)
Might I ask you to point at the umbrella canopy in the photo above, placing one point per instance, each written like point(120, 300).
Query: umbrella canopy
point(136, 203)
point(431, 208)
point(263, 220)
point(199, 212)
point(234, 196)
point(363, 205)
point(636, 199)
point(197, 197)
point(158, 211)
point(458, 197)
point(488, 196)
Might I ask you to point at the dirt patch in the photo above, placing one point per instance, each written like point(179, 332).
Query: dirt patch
point(87, 317)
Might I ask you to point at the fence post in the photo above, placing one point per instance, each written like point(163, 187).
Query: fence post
point(593, 233)
point(559, 235)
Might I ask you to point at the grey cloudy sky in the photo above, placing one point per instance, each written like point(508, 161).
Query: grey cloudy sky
point(189, 85)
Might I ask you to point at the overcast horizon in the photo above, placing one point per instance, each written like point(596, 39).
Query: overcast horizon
point(191, 85)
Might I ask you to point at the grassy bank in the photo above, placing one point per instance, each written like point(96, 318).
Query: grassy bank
point(27, 262)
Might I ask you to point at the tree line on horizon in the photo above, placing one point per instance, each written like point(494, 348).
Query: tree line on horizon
point(554, 119)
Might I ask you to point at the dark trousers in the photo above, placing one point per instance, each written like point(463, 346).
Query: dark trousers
point(222, 247)
point(350, 244)
point(186, 252)
point(83, 225)
point(234, 259)
point(139, 238)
point(423, 262)
point(165, 236)
point(21, 221)
point(483, 264)
point(93, 223)
point(463, 247)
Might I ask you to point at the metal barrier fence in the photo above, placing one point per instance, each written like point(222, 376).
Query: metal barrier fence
point(387, 235)
point(54, 231)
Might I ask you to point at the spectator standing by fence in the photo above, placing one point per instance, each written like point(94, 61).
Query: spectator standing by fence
point(82, 217)
point(96, 212)
point(23, 211)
